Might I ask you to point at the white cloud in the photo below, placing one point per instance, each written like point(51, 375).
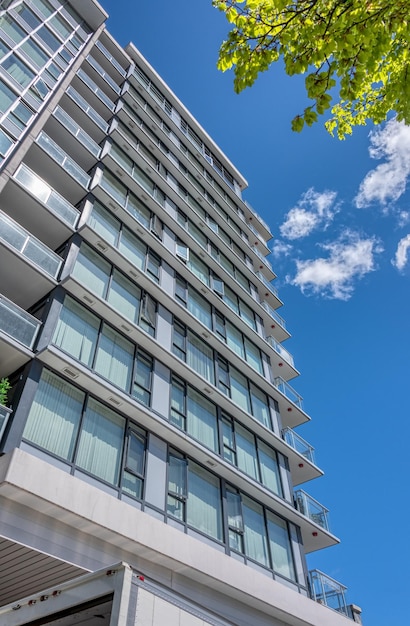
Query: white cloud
point(400, 258)
point(281, 249)
point(314, 209)
point(350, 257)
point(387, 182)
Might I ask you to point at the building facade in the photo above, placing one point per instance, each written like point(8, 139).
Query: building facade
point(150, 418)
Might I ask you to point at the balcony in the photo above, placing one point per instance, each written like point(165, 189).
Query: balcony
point(280, 325)
point(312, 509)
point(288, 391)
point(286, 356)
point(258, 217)
point(267, 284)
point(33, 267)
point(4, 418)
point(18, 332)
point(299, 444)
point(329, 592)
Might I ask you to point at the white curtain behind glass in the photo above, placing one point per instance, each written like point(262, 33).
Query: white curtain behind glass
point(200, 357)
point(101, 442)
point(204, 502)
point(256, 546)
point(115, 358)
point(77, 331)
point(201, 420)
point(269, 469)
point(246, 452)
point(280, 547)
point(54, 415)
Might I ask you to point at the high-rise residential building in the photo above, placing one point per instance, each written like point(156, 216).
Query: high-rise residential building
point(151, 472)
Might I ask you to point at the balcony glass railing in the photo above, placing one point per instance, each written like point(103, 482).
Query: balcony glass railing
point(77, 131)
point(262, 258)
point(111, 59)
point(17, 323)
point(96, 90)
point(4, 418)
point(286, 356)
point(299, 444)
point(288, 391)
point(252, 210)
point(45, 194)
point(328, 591)
point(30, 247)
point(255, 232)
point(110, 81)
point(312, 509)
point(275, 316)
point(267, 284)
point(88, 109)
point(61, 157)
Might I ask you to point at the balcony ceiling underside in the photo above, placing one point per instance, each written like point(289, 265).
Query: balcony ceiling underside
point(24, 283)
point(13, 355)
point(29, 571)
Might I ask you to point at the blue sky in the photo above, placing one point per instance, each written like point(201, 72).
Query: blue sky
point(340, 215)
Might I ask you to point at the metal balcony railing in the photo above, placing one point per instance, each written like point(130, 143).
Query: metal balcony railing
point(67, 163)
point(28, 246)
point(288, 391)
point(275, 316)
point(267, 284)
point(328, 591)
point(77, 131)
point(286, 356)
point(4, 418)
point(45, 194)
point(17, 323)
point(312, 509)
point(299, 444)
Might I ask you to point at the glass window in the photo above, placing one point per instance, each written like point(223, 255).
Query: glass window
point(201, 419)
point(269, 468)
point(114, 188)
point(114, 358)
point(179, 340)
point(204, 502)
point(60, 26)
point(200, 357)
point(21, 115)
point(3, 49)
point(132, 480)
point(143, 378)
point(101, 442)
point(253, 356)
point(18, 70)
point(5, 143)
point(199, 268)
point(7, 97)
point(27, 15)
point(34, 53)
point(199, 307)
point(138, 210)
point(280, 547)
point(48, 38)
point(260, 406)
point(231, 299)
point(133, 248)
point(247, 314)
point(228, 440)
point(177, 486)
point(178, 409)
point(44, 7)
point(148, 314)
point(246, 452)
point(124, 296)
point(235, 521)
point(239, 389)
point(77, 331)
point(92, 270)
point(54, 415)
point(234, 339)
point(104, 223)
point(256, 545)
point(9, 26)
point(153, 265)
